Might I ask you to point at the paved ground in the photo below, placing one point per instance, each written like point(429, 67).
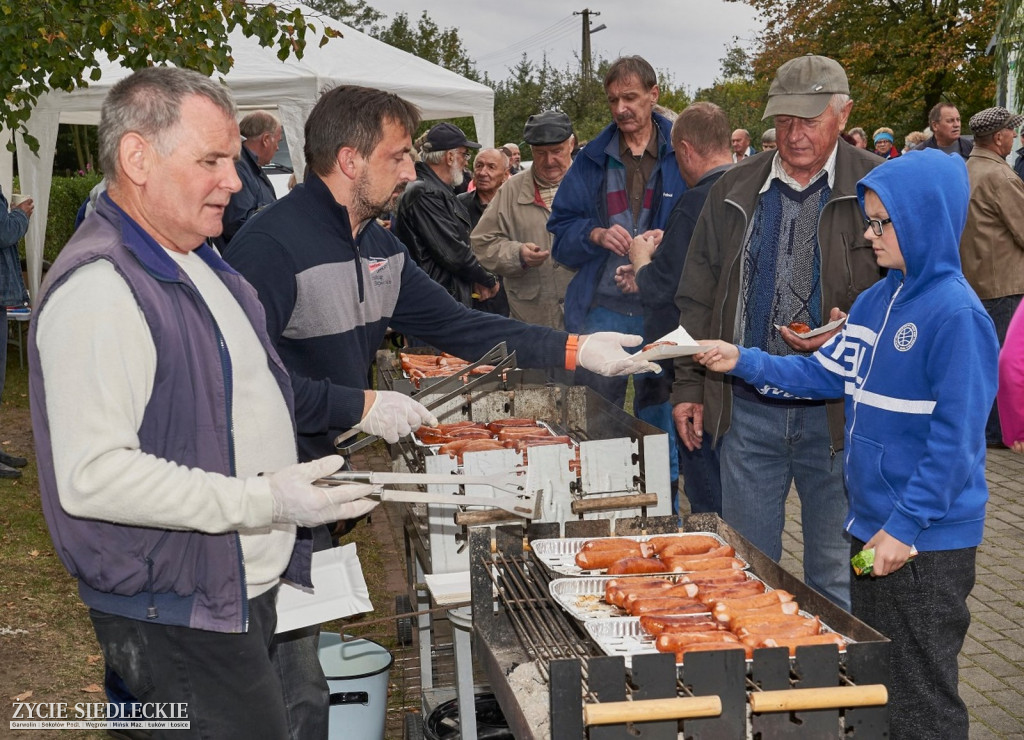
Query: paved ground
point(992, 661)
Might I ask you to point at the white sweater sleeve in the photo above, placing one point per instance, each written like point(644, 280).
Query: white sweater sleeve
point(99, 363)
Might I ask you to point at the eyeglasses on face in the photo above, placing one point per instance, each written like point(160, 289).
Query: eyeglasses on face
point(877, 224)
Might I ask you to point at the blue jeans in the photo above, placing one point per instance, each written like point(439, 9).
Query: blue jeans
point(702, 477)
point(1000, 310)
point(601, 319)
point(702, 482)
point(765, 450)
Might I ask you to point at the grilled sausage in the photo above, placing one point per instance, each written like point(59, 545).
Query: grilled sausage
point(595, 559)
point(665, 605)
point(617, 591)
point(826, 638)
point(751, 602)
point(780, 625)
point(689, 544)
point(684, 564)
point(499, 424)
point(723, 551)
point(670, 642)
point(705, 647)
point(734, 616)
point(658, 624)
point(636, 565)
point(730, 576)
point(457, 448)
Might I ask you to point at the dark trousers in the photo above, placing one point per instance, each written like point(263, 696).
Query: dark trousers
point(922, 609)
point(228, 681)
point(1001, 311)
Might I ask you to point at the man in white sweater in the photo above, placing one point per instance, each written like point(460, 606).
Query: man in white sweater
point(157, 402)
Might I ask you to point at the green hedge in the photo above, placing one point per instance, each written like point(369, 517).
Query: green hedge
point(66, 196)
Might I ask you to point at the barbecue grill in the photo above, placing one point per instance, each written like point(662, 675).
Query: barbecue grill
point(551, 680)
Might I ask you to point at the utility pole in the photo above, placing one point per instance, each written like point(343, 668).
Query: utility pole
point(587, 65)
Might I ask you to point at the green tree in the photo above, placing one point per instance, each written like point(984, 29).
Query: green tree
point(428, 41)
point(902, 56)
point(1009, 49)
point(357, 14)
point(55, 45)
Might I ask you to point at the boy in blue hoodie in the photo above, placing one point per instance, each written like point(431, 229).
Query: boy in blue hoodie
point(915, 362)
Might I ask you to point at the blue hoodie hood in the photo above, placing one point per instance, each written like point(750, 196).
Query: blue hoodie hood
point(926, 193)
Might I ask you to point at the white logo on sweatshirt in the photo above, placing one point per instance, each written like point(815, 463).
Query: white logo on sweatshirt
point(905, 337)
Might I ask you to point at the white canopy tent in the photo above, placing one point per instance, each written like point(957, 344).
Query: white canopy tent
point(258, 79)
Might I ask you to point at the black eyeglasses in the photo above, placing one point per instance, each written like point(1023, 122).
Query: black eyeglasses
point(877, 224)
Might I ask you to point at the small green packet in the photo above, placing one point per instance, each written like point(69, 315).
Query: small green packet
point(864, 560)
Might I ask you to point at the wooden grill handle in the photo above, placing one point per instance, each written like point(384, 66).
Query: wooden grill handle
point(649, 710)
point(831, 697)
point(478, 518)
point(630, 501)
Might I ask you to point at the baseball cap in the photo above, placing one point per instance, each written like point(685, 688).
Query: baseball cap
point(445, 136)
point(548, 127)
point(803, 86)
point(995, 119)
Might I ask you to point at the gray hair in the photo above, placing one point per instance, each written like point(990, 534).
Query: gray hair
point(768, 135)
point(433, 157)
point(838, 102)
point(148, 102)
point(257, 123)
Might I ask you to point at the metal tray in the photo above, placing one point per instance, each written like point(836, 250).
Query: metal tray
point(624, 636)
point(559, 555)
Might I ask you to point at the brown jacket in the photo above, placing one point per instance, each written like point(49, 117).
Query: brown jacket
point(992, 245)
point(514, 217)
point(708, 295)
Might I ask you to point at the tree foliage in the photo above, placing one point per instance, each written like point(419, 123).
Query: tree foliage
point(902, 56)
point(428, 41)
point(534, 87)
point(358, 14)
point(47, 44)
point(1009, 50)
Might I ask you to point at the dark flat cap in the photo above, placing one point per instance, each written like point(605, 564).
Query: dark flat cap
point(445, 136)
point(549, 127)
point(995, 119)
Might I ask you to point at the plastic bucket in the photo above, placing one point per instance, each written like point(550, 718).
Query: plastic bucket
point(357, 675)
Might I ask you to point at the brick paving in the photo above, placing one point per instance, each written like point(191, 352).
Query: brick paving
point(992, 661)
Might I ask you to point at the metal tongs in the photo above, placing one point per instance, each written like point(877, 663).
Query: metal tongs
point(516, 500)
point(497, 356)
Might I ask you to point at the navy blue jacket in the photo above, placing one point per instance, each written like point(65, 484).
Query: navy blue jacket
point(257, 192)
point(659, 281)
point(329, 300)
point(579, 207)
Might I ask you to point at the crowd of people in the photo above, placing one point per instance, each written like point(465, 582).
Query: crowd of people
point(828, 283)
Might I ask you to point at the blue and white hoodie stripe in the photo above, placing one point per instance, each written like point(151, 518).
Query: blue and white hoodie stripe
point(916, 363)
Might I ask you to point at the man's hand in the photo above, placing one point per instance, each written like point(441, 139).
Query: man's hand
point(26, 206)
point(392, 415)
point(604, 353)
point(484, 292)
point(625, 279)
point(812, 344)
point(615, 239)
point(642, 248)
point(297, 501)
point(890, 553)
point(719, 357)
point(533, 256)
point(689, 419)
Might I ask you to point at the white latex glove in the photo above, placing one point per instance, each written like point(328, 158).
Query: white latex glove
point(603, 353)
point(297, 501)
point(394, 415)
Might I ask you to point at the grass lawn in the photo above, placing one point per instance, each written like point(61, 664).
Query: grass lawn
point(48, 651)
